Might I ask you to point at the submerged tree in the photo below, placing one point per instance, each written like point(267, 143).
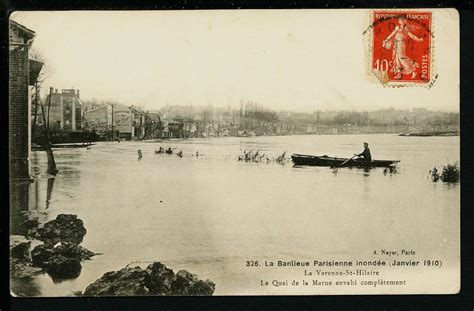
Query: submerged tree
point(450, 173)
point(42, 135)
point(44, 73)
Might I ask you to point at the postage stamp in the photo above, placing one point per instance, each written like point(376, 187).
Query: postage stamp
point(402, 47)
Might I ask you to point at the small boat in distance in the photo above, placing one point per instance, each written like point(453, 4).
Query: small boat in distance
point(310, 160)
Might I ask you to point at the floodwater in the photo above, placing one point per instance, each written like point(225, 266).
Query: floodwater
point(210, 214)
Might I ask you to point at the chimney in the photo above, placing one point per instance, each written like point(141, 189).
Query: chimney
point(78, 94)
point(50, 90)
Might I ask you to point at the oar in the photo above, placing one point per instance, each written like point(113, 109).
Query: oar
point(335, 167)
point(355, 155)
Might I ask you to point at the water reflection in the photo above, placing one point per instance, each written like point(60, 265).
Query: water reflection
point(49, 190)
point(366, 182)
point(19, 197)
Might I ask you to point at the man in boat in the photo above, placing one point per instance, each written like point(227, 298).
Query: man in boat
point(365, 155)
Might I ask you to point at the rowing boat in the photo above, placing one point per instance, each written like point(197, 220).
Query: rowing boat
point(302, 159)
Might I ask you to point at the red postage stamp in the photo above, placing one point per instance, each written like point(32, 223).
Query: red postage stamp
point(402, 46)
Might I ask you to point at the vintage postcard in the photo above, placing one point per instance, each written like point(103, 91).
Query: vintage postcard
point(237, 152)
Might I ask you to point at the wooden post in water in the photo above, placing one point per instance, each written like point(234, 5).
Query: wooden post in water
point(52, 169)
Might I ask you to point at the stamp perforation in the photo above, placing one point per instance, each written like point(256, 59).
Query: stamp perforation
point(369, 55)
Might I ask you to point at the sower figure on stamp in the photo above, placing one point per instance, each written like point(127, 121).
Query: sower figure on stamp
point(365, 154)
point(397, 41)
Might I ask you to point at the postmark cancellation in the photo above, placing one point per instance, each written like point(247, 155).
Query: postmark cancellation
point(401, 47)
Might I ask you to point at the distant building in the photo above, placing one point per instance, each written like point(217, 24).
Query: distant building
point(129, 122)
point(66, 112)
point(89, 105)
point(138, 124)
point(176, 128)
point(99, 120)
point(153, 125)
point(123, 121)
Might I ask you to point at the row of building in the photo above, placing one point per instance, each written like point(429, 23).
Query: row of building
point(67, 113)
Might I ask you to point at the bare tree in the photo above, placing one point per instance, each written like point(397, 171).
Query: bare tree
point(44, 74)
point(45, 135)
point(47, 70)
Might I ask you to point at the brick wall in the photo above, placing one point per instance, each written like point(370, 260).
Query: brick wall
point(19, 124)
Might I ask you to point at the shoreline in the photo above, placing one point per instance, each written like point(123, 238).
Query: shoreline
point(427, 134)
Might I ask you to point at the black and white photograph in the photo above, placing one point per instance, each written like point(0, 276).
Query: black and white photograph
point(234, 152)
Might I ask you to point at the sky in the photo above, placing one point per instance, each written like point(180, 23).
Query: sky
point(295, 60)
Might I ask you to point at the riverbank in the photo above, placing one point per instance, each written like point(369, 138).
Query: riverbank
point(53, 248)
point(50, 248)
point(430, 134)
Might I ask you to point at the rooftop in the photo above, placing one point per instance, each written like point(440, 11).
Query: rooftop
point(30, 34)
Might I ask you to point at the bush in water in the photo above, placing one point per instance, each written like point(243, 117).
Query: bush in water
point(450, 173)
